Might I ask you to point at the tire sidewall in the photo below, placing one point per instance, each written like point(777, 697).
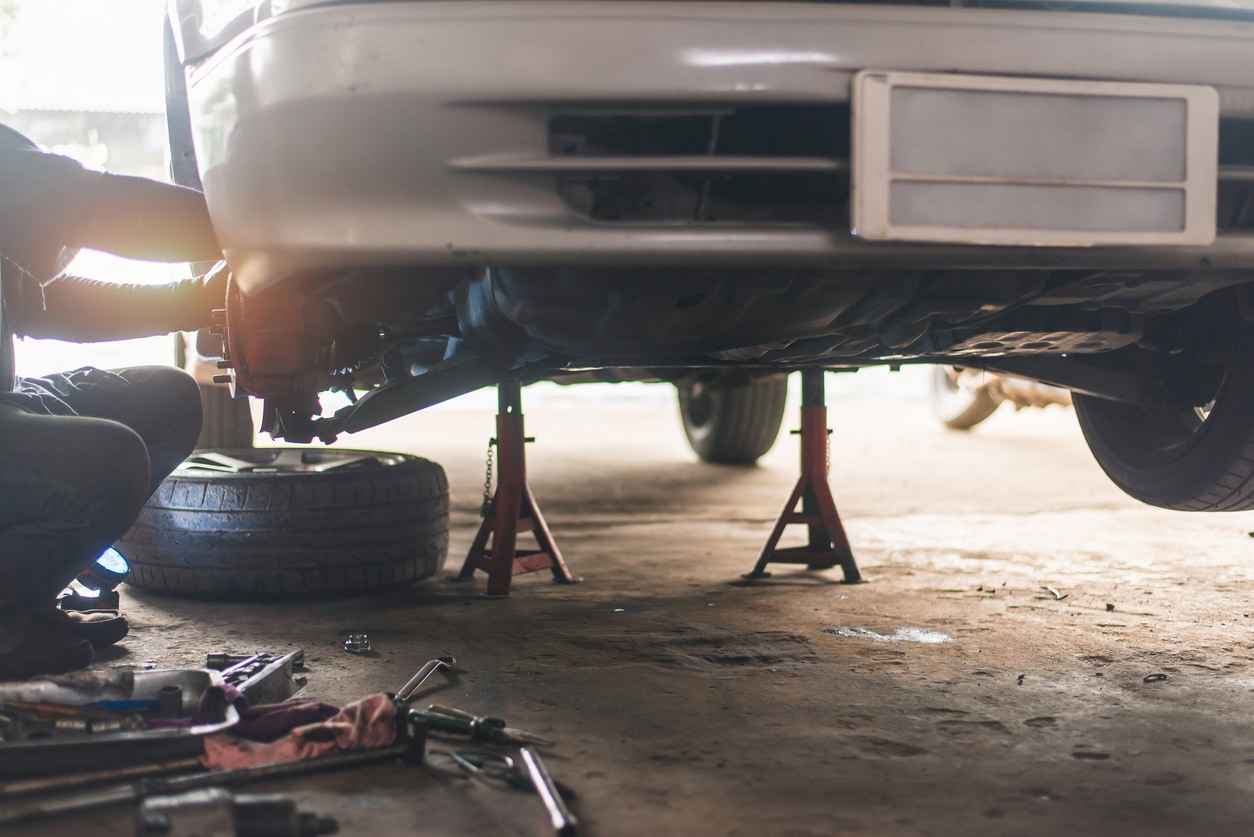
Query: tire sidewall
point(1197, 472)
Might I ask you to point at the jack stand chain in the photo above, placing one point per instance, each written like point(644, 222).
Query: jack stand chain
point(486, 509)
point(511, 510)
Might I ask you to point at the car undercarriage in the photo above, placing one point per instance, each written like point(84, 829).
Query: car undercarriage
point(407, 225)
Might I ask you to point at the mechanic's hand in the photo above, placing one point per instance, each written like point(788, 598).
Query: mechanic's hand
point(215, 282)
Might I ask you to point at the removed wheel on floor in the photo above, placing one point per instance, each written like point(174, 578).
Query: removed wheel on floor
point(265, 523)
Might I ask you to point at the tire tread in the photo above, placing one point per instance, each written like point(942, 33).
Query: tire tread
point(266, 536)
point(744, 423)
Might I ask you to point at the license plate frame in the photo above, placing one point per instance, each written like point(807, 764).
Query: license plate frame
point(1019, 161)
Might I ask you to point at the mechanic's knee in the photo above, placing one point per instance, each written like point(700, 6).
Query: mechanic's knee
point(185, 405)
point(121, 474)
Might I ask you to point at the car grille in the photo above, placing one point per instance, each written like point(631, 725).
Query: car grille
point(1236, 175)
point(766, 165)
point(786, 165)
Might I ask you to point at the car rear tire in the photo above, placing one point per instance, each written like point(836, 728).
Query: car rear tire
point(1189, 458)
point(733, 424)
point(957, 407)
point(269, 523)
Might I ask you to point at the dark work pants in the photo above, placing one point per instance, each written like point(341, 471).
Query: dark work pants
point(70, 485)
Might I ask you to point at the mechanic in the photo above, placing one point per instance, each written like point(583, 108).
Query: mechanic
point(81, 451)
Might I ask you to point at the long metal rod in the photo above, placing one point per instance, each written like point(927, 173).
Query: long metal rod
point(24, 787)
point(564, 822)
point(120, 794)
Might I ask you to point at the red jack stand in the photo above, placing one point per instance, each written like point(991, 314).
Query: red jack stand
point(828, 544)
point(511, 510)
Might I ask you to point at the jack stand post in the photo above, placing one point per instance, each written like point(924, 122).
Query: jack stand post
point(512, 510)
point(828, 544)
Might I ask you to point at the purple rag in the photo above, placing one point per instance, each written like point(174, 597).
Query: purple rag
point(257, 723)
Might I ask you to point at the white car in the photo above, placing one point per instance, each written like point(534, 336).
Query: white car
point(422, 198)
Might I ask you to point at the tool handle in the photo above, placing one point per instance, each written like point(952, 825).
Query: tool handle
point(451, 711)
point(438, 722)
point(564, 822)
point(492, 729)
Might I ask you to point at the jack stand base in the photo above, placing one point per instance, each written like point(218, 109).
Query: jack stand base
point(512, 510)
point(828, 545)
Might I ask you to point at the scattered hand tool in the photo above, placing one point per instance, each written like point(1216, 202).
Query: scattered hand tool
point(219, 661)
point(501, 768)
point(564, 822)
point(49, 709)
point(22, 719)
point(406, 692)
point(262, 678)
point(491, 767)
point(439, 718)
point(62, 783)
point(513, 736)
point(230, 663)
point(410, 747)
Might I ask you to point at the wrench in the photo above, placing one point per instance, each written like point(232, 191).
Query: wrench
point(406, 692)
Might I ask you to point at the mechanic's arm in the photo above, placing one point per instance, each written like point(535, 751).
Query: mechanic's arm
point(86, 310)
point(138, 218)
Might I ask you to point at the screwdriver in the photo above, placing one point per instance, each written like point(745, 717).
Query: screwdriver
point(479, 727)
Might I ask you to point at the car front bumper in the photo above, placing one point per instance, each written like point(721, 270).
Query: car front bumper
point(421, 133)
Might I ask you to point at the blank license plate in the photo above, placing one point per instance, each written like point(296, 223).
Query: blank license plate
point(989, 160)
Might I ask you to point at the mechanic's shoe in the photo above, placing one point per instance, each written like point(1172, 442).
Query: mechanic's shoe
point(101, 628)
point(44, 651)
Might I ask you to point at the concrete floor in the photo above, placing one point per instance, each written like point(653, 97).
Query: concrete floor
point(688, 703)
